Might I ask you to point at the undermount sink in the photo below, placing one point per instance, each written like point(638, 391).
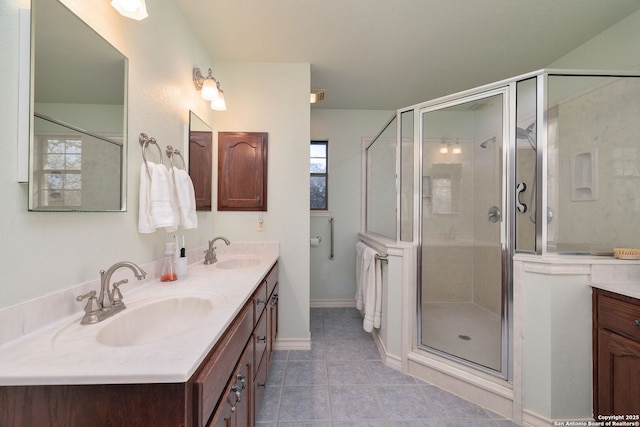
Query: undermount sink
point(154, 321)
point(238, 262)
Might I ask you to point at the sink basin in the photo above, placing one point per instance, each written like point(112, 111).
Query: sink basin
point(155, 321)
point(239, 262)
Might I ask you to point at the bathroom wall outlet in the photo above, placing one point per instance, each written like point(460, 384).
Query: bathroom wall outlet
point(260, 226)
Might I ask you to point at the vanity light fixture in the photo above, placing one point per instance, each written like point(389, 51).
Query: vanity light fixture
point(134, 9)
point(457, 149)
point(448, 146)
point(209, 89)
point(444, 147)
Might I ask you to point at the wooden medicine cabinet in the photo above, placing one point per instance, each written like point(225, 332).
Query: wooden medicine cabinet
point(242, 171)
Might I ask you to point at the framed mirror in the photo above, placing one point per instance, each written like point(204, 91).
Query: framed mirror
point(77, 149)
point(200, 160)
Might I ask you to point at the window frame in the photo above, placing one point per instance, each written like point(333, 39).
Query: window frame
point(324, 175)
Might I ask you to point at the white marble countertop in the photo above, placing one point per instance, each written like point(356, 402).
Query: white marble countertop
point(66, 352)
point(629, 289)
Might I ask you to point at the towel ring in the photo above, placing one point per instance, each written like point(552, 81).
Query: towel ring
point(144, 143)
point(175, 152)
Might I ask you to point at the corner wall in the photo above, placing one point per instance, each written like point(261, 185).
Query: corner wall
point(274, 98)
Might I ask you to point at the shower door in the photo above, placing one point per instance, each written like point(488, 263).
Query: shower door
point(463, 291)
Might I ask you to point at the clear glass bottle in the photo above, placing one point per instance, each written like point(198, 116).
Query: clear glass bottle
point(168, 264)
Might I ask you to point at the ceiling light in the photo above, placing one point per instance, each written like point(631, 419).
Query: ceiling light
point(134, 9)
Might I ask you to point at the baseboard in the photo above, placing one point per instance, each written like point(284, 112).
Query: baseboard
point(292, 344)
point(531, 419)
point(332, 303)
point(390, 361)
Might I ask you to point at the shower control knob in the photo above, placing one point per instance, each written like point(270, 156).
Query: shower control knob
point(494, 214)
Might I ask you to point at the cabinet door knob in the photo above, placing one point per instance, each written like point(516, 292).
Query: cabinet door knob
point(637, 323)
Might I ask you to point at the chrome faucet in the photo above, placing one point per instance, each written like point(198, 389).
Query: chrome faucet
point(210, 254)
point(109, 302)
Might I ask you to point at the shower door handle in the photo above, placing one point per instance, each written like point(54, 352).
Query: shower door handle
point(520, 188)
point(494, 214)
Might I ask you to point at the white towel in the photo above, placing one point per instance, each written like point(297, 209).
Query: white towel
point(186, 198)
point(368, 286)
point(157, 207)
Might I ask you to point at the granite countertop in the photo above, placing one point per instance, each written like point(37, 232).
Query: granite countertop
point(66, 352)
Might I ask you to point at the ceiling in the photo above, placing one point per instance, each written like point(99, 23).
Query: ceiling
point(387, 54)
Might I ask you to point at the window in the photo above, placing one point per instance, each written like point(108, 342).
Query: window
point(61, 165)
point(319, 176)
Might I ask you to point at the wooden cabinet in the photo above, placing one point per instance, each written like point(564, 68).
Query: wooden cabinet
point(616, 354)
point(242, 171)
point(236, 407)
point(221, 392)
point(201, 167)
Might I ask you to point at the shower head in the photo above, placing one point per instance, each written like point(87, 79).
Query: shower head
point(529, 134)
point(484, 144)
point(526, 133)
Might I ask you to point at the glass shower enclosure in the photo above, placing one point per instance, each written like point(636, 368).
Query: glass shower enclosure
point(543, 163)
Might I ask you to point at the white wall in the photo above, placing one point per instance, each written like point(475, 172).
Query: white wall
point(45, 252)
point(274, 98)
point(617, 48)
point(334, 281)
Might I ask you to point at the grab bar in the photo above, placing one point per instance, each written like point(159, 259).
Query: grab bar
point(331, 257)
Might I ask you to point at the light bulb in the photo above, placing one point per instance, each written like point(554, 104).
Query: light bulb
point(219, 104)
point(134, 9)
point(209, 89)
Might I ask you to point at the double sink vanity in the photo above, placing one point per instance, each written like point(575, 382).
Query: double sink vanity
point(194, 352)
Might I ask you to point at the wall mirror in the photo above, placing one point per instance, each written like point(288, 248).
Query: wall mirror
point(200, 160)
point(77, 150)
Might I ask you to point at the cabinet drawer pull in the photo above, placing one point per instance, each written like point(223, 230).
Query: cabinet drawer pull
point(262, 385)
point(263, 339)
point(637, 323)
point(243, 380)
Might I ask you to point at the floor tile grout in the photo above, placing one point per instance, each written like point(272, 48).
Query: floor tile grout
point(384, 398)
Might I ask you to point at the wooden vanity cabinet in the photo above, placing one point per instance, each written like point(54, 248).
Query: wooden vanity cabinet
point(221, 392)
point(616, 354)
point(243, 390)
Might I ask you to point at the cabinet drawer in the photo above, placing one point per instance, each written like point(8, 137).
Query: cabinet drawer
point(259, 300)
point(211, 379)
point(260, 384)
point(272, 279)
point(260, 337)
point(619, 316)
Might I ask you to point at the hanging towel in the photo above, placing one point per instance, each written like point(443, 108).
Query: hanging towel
point(368, 286)
point(157, 207)
point(186, 198)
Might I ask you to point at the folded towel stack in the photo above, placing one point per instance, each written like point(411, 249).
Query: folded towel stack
point(167, 200)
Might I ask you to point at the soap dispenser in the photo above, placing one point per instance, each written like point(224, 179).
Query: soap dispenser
point(168, 264)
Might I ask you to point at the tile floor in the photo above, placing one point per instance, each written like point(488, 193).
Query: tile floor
point(342, 382)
